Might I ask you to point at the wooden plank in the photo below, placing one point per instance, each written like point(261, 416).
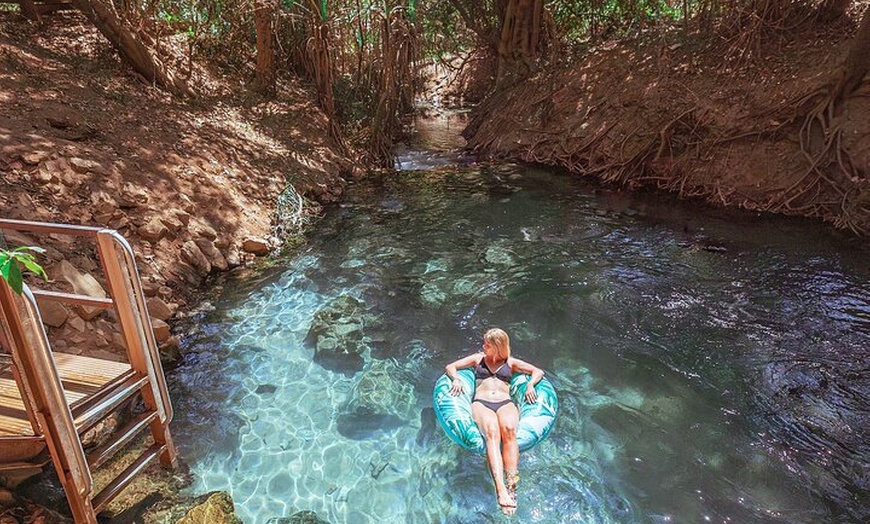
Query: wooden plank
point(87, 371)
point(22, 449)
point(80, 376)
point(72, 298)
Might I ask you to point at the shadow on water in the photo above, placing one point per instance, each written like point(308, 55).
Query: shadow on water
point(711, 366)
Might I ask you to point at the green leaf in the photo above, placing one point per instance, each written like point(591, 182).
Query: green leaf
point(36, 269)
point(10, 262)
point(35, 249)
point(5, 268)
point(16, 281)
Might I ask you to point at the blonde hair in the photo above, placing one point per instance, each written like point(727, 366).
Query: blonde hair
point(500, 340)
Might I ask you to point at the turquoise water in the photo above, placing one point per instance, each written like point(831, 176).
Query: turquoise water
point(711, 367)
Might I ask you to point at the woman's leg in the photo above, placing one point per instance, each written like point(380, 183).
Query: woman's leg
point(487, 421)
point(508, 419)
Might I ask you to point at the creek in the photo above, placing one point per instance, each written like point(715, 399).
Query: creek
point(711, 365)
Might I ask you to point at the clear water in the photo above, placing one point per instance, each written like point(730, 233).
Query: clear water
point(710, 367)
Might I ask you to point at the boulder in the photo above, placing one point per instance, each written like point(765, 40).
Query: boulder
point(161, 330)
point(82, 284)
point(256, 246)
point(182, 217)
point(77, 323)
point(150, 288)
point(217, 508)
point(381, 402)
point(206, 231)
point(337, 334)
point(302, 517)
point(6, 497)
point(119, 222)
point(153, 230)
point(158, 309)
point(53, 314)
point(193, 255)
point(118, 340)
point(51, 171)
point(34, 157)
point(170, 351)
point(133, 196)
point(84, 166)
point(17, 238)
point(233, 259)
point(103, 203)
point(173, 224)
point(215, 257)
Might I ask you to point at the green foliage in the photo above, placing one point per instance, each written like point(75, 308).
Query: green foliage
point(11, 262)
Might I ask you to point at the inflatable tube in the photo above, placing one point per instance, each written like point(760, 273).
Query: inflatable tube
point(454, 413)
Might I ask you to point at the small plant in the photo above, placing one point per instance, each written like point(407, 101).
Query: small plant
point(11, 262)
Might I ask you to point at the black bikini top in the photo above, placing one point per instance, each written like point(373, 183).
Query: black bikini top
point(503, 373)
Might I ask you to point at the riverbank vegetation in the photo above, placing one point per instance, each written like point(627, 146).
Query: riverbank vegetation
point(208, 132)
point(754, 103)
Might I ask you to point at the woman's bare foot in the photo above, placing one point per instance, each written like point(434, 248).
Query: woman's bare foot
point(507, 503)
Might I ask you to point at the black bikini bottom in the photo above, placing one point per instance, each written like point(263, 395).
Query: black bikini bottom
point(494, 406)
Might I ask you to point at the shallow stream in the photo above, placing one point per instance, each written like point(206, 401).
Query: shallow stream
point(711, 366)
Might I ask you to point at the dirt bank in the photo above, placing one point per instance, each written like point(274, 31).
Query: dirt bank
point(192, 184)
point(671, 113)
point(187, 182)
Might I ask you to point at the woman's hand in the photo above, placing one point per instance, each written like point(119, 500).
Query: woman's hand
point(455, 387)
point(531, 394)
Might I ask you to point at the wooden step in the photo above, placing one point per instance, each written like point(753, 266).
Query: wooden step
point(81, 378)
point(125, 477)
point(120, 439)
point(109, 401)
point(18, 452)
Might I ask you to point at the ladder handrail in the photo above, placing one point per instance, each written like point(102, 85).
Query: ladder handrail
point(120, 247)
point(49, 227)
point(40, 383)
point(128, 295)
point(32, 356)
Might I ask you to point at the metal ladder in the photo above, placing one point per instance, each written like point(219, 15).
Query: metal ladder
point(42, 390)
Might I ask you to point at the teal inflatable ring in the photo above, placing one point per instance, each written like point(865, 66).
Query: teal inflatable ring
point(454, 413)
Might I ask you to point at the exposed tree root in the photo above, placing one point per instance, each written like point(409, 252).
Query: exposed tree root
point(666, 151)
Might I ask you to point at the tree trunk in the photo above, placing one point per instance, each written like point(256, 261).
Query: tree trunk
point(130, 45)
point(28, 9)
point(264, 13)
point(856, 67)
point(519, 45)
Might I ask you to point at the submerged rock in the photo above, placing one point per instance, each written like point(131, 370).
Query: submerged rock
point(303, 517)
point(337, 334)
point(499, 255)
point(381, 401)
point(216, 509)
point(362, 424)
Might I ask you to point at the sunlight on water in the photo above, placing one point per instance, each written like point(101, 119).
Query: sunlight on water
point(310, 386)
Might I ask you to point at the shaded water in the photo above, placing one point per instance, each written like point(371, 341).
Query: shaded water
point(710, 367)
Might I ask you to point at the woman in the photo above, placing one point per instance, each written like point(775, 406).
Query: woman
point(492, 409)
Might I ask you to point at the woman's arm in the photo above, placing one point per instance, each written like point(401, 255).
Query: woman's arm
point(451, 369)
point(521, 366)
